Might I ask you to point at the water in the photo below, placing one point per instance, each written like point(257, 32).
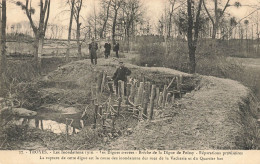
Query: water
point(56, 122)
point(48, 125)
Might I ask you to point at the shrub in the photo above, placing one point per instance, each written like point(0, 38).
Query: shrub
point(151, 54)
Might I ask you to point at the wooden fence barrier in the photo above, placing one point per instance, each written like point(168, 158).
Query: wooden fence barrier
point(141, 100)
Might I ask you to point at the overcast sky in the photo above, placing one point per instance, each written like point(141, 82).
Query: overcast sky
point(59, 13)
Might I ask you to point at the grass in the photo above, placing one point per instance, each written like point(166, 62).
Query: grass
point(206, 119)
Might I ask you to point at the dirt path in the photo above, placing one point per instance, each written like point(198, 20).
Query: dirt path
point(206, 119)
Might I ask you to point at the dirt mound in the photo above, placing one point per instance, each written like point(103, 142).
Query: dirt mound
point(218, 114)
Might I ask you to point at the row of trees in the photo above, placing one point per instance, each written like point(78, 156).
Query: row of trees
point(212, 20)
point(192, 19)
point(116, 12)
point(121, 18)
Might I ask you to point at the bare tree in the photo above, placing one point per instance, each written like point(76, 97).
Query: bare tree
point(116, 4)
point(193, 37)
point(106, 4)
point(71, 2)
point(172, 3)
point(3, 45)
point(77, 9)
point(131, 13)
point(246, 22)
point(218, 13)
point(232, 23)
point(39, 32)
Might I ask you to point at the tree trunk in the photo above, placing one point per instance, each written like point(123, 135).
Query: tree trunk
point(105, 22)
point(36, 47)
point(214, 31)
point(128, 36)
point(70, 26)
point(192, 44)
point(95, 21)
point(192, 59)
point(190, 39)
point(40, 50)
point(2, 45)
point(78, 40)
point(114, 27)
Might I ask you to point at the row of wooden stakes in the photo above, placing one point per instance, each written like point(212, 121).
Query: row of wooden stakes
point(140, 99)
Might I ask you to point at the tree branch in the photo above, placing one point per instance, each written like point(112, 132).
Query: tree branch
point(197, 24)
point(47, 18)
point(30, 18)
point(210, 17)
point(45, 7)
point(227, 4)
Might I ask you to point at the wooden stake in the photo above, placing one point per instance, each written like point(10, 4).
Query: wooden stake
point(37, 123)
point(128, 88)
point(148, 88)
point(41, 124)
point(95, 116)
point(152, 102)
point(145, 103)
point(173, 98)
point(113, 122)
point(110, 85)
point(103, 81)
point(96, 100)
point(167, 98)
point(67, 128)
point(132, 92)
point(100, 110)
point(164, 94)
point(99, 81)
point(92, 91)
point(157, 96)
point(180, 85)
point(139, 94)
point(160, 99)
point(119, 106)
